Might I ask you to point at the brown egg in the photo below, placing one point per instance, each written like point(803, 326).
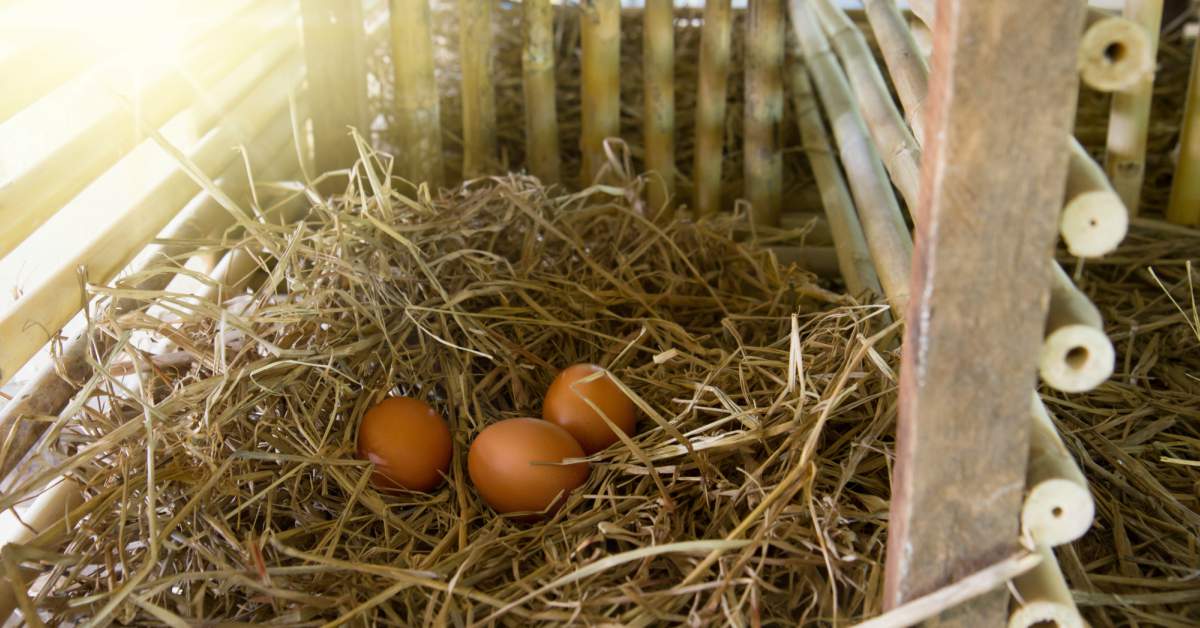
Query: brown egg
point(565, 406)
point(408, 442)
point(503, 464)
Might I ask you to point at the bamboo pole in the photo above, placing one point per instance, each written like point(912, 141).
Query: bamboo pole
point(710, 105)
point(1076, 355)
point(1184, 207)
point(1044, 597)
point(600, 31)
point(541, 112)
point(1115, 54)
point(821, 261)
point(418, 118)
point(1094, 221)
point(764, 110)
point(478, 91)
point(853, 258)
point(1129, 117)
point(887, 235)
point(905, 64)
point(1058, 504)
point(659, 58)
point(925, 10)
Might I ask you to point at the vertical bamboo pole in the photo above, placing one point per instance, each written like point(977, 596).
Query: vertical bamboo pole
point(659, 117)
point(541, 112)
point(418, 119)
point(1058, 504)
point(1115, 53)
point(1129, 118)
point(1184, 207)
point(764, 110)
point(1093, 220)
point(710, 105)
point(600, 27)
point(1045, 599)
point(478, 91)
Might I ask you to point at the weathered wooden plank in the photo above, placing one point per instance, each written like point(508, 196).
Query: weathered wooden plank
point(994, 171)
point(335, 58)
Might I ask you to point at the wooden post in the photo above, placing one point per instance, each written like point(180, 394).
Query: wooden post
point(478, 91)
point(541, 112)
point(979, 294)
point(659, 118)
point(600, 31)
point(764, 109)
point(710, 106)
point(1184, 208)
point(335, 55)
point(418, 117)
point(1129, 118)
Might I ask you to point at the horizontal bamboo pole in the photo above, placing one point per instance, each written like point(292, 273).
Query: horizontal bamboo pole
point(658, 44)
point(887, 236)
point(1184, 207)
point(1094, 221)
point(478, 90)
point(822, 261)
point(1129, 116)
point(1058, 504)
point(853, 257)
point(418, 117)
point(1115, 54)
point(712, 85)
point(111, 132)
point(762, 156)
point(541, 112)
point(49, 304)
point(1076, 354)
point(1044, 597)
point(600, 33)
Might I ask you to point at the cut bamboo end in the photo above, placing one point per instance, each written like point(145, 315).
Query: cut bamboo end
point(1184, 206)
point(1129, 117)
point(1076, 358)
point(1115, 55)
point(1044, 597)
point(1094, 223)
point(1058, 505)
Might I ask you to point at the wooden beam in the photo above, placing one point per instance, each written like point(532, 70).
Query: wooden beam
point(600, 34)
point(980, 292)
point(418, 117)
point(335, 59)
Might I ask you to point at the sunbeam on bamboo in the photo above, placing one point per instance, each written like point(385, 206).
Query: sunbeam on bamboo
point(659, 117)
point(541, 112)
point(418, 121)
point(764, 110)
point(600, 27)
point(478, 91)
point(710, 106)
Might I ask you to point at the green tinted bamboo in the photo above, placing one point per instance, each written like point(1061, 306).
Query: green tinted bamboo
point(1044, 597)
point(1129, 118)
point(905, 64)
point(1114, 54)
point(853, 258)
point(600, 32)
point(418, 120)
point(887, 235)
point(478, 91)
point(541, 113)
point(710, 106)
point(1058, 504)
point(659, 118)
point(1184, 208)
point(764, 110)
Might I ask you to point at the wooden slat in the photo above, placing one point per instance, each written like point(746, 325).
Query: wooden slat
point(541, 112)
point(763, 158)
point(418, 118)
point(164, 189)
point(478, 90)
point(335, 61)
point(1129, 118)
point(659, 117)
point(109, 131)
point(710, 106)
point(1184, 207)
point(979, 293)
point(600, 33)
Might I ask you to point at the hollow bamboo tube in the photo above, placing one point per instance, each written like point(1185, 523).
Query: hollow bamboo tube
point(1093, 220)
point(897, 146)
point(1045, 599)
point(710, 105)
point(1115, 54)
point(1184, 208)
point(659, 118)
point(763, 160)
point(478, 91)
point(418, 119)
point(853, 258)
point(887, 235)
point(904, 61)
point(541, 112)
point(1058, 504)
point(1076, 354)
point(1129, 116)
point(600, 32)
